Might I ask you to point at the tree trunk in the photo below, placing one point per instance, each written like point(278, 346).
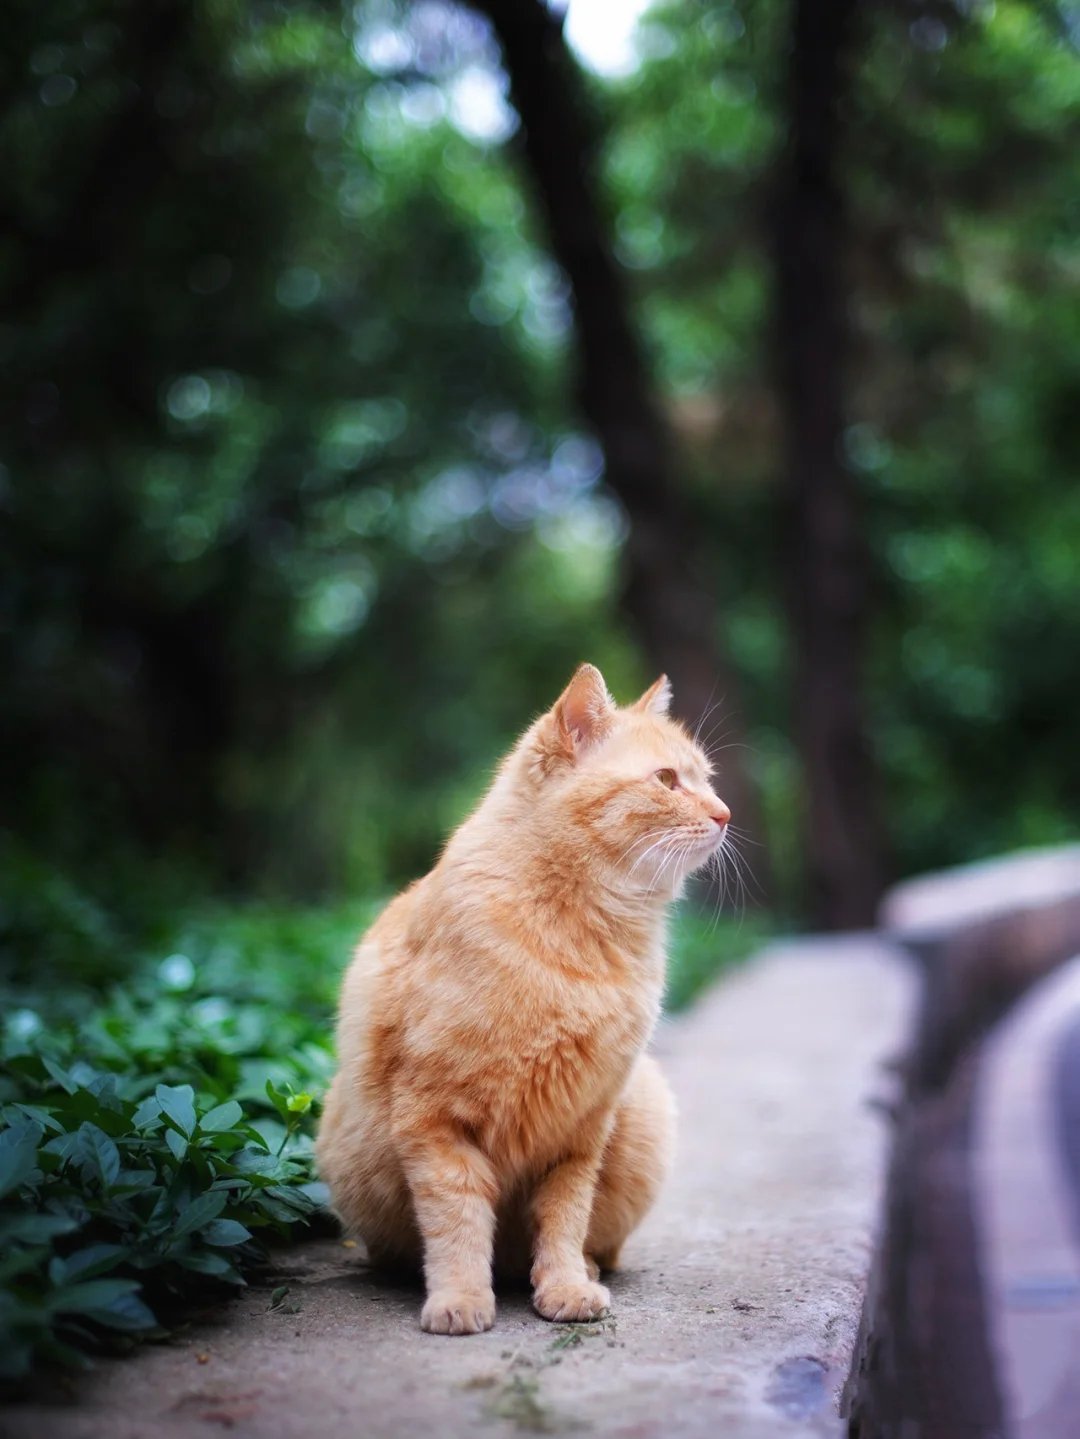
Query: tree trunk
point(823, 555)
point(673, 615)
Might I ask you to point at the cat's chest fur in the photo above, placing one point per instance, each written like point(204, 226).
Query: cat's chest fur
point(569, 1074)
point(556, 1054)
point(519, 1034)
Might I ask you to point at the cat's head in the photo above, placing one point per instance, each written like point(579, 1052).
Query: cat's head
point(631, 780)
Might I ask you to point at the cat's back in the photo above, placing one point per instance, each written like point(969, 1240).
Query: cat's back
point(371, 990)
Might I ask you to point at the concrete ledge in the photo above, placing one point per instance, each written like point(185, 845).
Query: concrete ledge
point(984, 933)
point(737, 1312)
point(973, 1311)
point(936, 906)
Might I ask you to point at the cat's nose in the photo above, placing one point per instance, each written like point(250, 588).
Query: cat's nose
point(720, 814)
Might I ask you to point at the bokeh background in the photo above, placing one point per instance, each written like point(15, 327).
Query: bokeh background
point(365, 367)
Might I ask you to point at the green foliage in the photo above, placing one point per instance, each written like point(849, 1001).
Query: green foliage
point(281, 456)
point(965, 196)
point(703, 947)
point(150, 1138)
point(299, 523)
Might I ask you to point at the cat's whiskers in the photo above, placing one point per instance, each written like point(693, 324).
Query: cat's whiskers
point(719, 890)
point(642, 839)
point(668, 858)
point(664, 839)
point(725, 886)
point(710, 740)
point(744, 875)
point(709, 711)
point(733, 876)
point(742, 863)
point(678, 852)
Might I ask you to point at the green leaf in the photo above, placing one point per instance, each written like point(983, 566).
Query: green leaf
point(34, 1114)
point(298, 1103)
point(61, 1076)
point(99, 1154)
point(283, 1213)
point(255, 1133)
point(223, 1233)
point(178, 1102)
point(215, 1266)
point(56, 1352)
point(34, 1228)
point(224, 1116)
point(17, 1162)
point(278, 1098)
point(129, 1180)
point(147, 1113)
point(18, 1261)
point(17, 1131)
point(90, 1295)
point(95, 1259)
point(199, 1213)
point(74, 1109)
point(251, 1161)
point(291, 1195)
point(65, 1146)
point(318, 1191)
point(127, 1313)
point(177, 1143)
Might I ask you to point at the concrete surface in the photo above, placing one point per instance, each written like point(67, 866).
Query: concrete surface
point(950, 900)
point(735, 1316)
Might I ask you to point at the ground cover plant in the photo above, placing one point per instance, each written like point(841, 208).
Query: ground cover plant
point(154, 1134)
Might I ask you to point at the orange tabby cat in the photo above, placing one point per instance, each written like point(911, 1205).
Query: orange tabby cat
point(494, 1102)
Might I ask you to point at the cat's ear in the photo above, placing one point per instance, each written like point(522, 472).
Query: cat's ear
point(584, 711)
point(657, 698)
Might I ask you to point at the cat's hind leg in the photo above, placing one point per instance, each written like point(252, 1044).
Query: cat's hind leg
point(368, 1191)
point(636, 1161)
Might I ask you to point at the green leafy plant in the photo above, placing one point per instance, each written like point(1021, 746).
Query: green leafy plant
point(150, 1139)
point(115, 1203)
point(702, 947)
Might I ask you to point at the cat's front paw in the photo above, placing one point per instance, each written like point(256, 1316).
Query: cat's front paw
point(449, 1312)
point(571, 1302)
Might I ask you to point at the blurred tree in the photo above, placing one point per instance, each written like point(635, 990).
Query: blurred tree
point(299, 523)
point(965, 168)
point(823, 556)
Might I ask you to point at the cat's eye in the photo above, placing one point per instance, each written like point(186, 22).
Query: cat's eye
point(667, 777)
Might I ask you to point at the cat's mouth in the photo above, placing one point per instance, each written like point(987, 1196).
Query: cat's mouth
point(709, 844)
